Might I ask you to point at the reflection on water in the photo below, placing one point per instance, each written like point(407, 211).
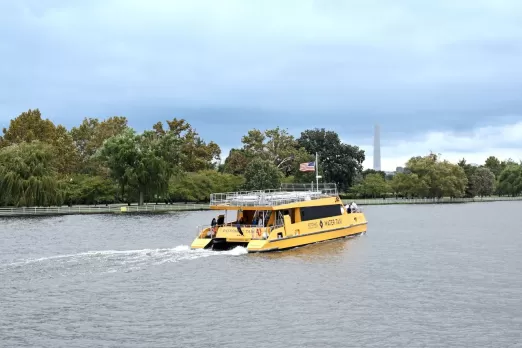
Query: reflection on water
point(317, 251)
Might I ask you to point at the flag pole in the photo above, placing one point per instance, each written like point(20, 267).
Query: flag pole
point(316, 172)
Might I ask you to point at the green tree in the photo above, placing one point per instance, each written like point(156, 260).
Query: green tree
point(261, 174)
point(493, 164)
point(373, 186)
point(339, 163)
point(88, 189)
point(469, 170)
point(145, 161)
point(197, 154)
point(483, 182)
point(276, 146)
point(443, 179)
point(28, 175)
point(236, 162)
point(373, 171)
point(197, 187)
point(29, 126)
point(510, 180)
point(89, 137)
point(409, 185)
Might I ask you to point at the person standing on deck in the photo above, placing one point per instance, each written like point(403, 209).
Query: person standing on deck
point(238, 225)
point(213, 228)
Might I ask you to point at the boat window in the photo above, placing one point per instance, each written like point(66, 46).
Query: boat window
point(281, 213)
point(320, 212)
point(279, 217)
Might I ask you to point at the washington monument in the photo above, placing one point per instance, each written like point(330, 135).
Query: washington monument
point(377, 148)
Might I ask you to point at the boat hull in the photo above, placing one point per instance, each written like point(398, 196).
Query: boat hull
point(223, 244)
point(295, 241)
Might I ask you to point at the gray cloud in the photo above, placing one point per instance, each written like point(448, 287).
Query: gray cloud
point(411, 66)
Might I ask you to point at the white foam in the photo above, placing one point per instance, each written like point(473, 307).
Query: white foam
point(112, 260)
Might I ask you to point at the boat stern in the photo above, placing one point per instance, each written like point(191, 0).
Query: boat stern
point(221, 238)
point(201, 243)
point(257, 245)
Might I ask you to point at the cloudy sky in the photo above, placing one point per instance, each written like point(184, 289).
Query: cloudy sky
point(442, 76)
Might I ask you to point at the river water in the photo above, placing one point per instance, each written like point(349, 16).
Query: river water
point(422, 276)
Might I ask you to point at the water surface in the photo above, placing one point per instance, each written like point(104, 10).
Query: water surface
point(423, 276)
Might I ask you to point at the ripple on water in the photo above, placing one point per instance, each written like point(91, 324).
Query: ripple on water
point(423, 276)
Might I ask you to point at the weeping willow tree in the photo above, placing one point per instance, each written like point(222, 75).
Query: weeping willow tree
point(28, 175)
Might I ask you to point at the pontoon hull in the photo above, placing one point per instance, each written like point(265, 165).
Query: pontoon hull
point(279, 244)
point(223, 244)
point(305, 239)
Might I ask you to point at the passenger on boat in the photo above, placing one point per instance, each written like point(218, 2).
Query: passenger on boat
point(348, 208)
point(238, 225)
point(354, 207)
point(213, 227)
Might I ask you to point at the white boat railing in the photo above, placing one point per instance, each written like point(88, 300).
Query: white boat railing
point(289, 193)
point(100, 209)
point(254, 231)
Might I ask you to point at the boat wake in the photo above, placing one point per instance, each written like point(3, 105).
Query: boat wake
point(117, 260)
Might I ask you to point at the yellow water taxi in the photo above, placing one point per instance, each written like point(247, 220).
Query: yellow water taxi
point(272, 220)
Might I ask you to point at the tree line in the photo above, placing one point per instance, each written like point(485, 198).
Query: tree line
point(107, 161)
point(429, 177)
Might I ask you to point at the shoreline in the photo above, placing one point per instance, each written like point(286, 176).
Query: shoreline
point(445, 200)
point(153, 208)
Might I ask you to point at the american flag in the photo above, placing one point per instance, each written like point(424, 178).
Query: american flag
point(307, 167)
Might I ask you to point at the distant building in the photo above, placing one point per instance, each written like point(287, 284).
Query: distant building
point(399, 170)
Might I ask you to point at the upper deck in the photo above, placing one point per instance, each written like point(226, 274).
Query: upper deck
point(287, 194)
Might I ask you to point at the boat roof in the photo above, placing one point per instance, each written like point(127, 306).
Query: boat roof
point(271, 199)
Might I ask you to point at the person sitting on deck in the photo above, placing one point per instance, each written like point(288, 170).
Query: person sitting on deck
point(354, 207)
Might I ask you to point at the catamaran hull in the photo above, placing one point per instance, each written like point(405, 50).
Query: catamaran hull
point(290, 242)
point(256, 246)
point(222, 244)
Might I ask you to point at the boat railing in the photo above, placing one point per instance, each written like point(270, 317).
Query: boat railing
point(213, 228)
point(254, 231)
point(288, 193)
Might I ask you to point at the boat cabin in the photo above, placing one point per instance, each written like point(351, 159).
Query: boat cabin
point(276, 208)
